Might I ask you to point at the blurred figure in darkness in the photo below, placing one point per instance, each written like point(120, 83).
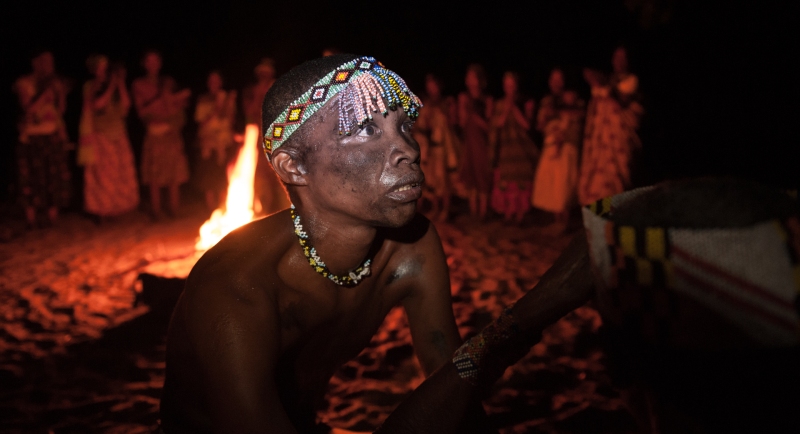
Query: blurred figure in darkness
point(560, 120)
point(44, 175)
point(110, 186)
point(438, 143)
point(512, 151)
point(161, 109)
point(214, 114)
point(330, 51)
point(474, 109)
point(253, 95)
point(269, 193)
point(610, 138)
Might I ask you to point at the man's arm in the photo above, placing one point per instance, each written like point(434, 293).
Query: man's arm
point(234, 329)
point(428, 304)
point(440, 403)
point(433, 329)
point(138, 98)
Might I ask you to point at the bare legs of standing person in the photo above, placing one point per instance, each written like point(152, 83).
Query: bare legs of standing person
point(155, 202)
point(478, 203)
point(174, 200)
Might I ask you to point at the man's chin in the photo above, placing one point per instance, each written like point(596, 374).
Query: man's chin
point(401, 217)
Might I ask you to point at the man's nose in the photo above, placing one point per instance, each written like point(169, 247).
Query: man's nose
point(406, 151)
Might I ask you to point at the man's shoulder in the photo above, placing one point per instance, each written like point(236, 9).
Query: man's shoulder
point(416, 261)
point(244, 258)
point(414, 240)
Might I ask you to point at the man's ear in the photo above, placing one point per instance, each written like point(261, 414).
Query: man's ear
point(287, 167)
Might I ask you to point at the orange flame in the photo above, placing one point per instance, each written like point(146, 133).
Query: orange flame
point(238, 209)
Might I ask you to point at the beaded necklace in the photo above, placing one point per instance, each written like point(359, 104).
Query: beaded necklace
point(352, 278)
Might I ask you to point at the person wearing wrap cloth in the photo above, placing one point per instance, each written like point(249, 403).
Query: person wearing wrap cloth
point(161, 109)
point(109, 176)
point(270, 312)
point(44, 178)
point(214, 114)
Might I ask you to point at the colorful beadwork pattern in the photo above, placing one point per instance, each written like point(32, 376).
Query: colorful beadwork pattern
point(471, 359)
point(364, 84)
point(750, 276)
point(351, 279)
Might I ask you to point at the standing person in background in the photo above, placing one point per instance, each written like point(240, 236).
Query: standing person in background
point(161, 109)
point(610, 138)
point(110, 186)
point(560, 120)
point(512, 151)
point(44, 176)
point(474, 109)
point(214, 115)
point(437, 139)
point(253, 95)
point(269, 193)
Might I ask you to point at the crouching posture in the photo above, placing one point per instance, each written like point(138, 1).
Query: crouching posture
point(278, 305)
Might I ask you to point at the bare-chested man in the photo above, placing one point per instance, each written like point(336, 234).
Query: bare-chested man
point(277, 306)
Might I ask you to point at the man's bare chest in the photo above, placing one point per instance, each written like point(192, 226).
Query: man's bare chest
point(319, 334)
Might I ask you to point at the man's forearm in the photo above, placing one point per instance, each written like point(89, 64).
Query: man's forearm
point(566, 285)
point(445, 402)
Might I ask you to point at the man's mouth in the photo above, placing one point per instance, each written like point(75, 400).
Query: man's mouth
point(408, 186)
point(408, 189)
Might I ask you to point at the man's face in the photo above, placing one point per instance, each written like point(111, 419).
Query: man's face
point(432, 88)
point(472, 81)
point(214, 82)
point(372, 175)
point(152, 63)
point(556, 81)
point(510, 85)
point(265, 73)
point(44, 64)
point(101, 68)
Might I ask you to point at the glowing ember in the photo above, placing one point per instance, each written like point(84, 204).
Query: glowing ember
point(238, 208)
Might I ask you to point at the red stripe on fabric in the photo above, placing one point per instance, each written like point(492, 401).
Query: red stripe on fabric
point(710, 287)
point(735, 280)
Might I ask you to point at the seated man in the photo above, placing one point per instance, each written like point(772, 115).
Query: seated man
point(278, 305)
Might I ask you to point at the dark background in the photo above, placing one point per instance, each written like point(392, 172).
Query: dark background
point(720, 88)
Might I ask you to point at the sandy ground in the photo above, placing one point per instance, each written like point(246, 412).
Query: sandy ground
point(84, 309)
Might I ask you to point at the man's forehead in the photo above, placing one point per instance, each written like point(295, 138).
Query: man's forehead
point(355, 90)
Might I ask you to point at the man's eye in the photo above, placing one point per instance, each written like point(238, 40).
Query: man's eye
point(407, 127)
point(368, 130)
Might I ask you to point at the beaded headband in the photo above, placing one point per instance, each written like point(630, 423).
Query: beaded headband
point(364, 84)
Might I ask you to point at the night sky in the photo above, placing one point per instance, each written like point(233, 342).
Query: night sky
point(719, 87)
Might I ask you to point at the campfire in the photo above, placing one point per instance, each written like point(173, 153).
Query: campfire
point(238, 208)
